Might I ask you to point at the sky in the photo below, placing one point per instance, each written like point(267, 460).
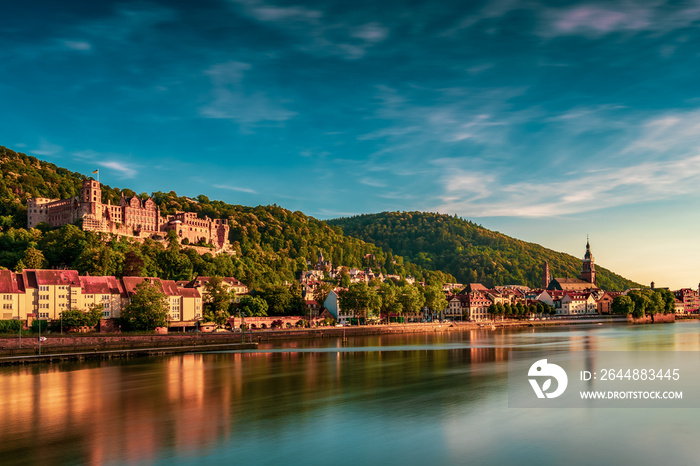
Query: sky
point(546, 121)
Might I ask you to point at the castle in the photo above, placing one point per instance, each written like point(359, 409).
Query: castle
point(131, 217)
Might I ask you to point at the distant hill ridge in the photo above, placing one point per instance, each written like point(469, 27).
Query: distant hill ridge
point(471, 253)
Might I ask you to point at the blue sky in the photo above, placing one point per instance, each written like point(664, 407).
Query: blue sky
point(546, 121)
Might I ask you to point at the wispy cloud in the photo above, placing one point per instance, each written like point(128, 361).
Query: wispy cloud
point(236, 188)
point(79, 45)
point(111, 161)
point(47, 149)
point(125, 169)
point(375, 183)
point(231, 101)
point(313, 31)
point(483, 195)
point(598, 19)
point(127, 24)
point(669, 133)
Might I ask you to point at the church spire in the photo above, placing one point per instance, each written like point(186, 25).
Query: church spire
point(588, 269)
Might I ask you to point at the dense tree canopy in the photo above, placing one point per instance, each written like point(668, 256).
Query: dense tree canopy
point(468, 251)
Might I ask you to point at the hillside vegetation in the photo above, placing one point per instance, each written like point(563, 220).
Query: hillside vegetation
point(272, 244)
point(468, 251)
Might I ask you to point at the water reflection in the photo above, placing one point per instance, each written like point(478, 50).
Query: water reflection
point(423, 397)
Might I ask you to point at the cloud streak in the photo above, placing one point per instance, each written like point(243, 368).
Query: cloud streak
point(236, 188)
point(314, 31)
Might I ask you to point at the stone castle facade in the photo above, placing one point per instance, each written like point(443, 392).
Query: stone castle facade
point(131, 217)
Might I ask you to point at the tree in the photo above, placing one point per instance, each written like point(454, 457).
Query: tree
point(389, 304)
point(34, 259)
point(622, 305)
point(344, 279)
point(217, 301)
point(322, 291)
point(411, 299)
point(434, 298)
point(74, 318)
point(281, 300)
point(133, 265)
point(668, 299)
point(360, 299)
point(148, 308)
point(500, 310)
point(253, 306)
point(641, 301)
point(493, 310)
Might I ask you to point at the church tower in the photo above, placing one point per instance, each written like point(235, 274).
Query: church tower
point(545, 276)
point(588, 270)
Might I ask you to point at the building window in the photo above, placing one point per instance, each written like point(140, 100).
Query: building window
point(7, 306)
point(105, 313)
point(43, 315)
point(43, 288)
point(7, 297)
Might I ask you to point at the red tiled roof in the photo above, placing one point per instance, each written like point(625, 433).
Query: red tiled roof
point(169, 287)
point(188, 293)
point(130, 283)
point(54, 277)
point(94, 285)
point(8, 282)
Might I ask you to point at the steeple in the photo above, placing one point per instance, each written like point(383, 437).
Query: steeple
point(545, 276)
point(588, 269)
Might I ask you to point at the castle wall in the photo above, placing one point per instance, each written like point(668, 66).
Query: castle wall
point(38, 211)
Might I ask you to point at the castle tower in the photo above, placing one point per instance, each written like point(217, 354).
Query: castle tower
point(90, 196)
point(91, 191)
point(588, 270)
point(545, 276)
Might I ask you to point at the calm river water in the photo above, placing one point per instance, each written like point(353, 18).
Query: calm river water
point(436, 398)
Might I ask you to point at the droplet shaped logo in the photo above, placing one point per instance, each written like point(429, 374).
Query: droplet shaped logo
point(542, 369)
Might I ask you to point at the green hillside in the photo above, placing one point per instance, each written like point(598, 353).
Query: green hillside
point(272, 244)
point(469, 252)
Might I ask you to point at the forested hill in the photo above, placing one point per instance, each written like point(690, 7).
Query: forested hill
point(470, 252)
point(272, 244)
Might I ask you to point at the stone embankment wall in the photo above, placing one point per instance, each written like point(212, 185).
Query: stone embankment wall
point(56, 343)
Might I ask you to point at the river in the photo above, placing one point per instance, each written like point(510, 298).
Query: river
point(433, 398)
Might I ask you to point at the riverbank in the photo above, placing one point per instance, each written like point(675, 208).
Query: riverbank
point(59, 347)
